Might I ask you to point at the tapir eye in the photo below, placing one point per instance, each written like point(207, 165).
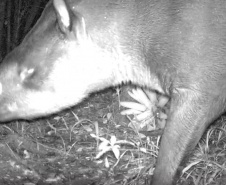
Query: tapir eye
point(26, 73)
point(30, 78)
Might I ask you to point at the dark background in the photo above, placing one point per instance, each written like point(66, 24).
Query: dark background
point(16, 19)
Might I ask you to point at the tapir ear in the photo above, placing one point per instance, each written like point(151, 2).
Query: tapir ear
point(63, 15)
point(68, 21)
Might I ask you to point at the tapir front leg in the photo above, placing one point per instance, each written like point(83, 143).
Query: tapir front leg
point(190, 113)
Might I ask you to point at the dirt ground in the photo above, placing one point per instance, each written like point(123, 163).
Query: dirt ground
point(64, 149)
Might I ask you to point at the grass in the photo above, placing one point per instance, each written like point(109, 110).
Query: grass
point(93, 144)
point(208, 164)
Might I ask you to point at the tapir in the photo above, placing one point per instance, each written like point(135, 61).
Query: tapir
point(174, 47)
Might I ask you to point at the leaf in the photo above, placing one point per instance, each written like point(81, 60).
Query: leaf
point(136, 96)
point(103, 145)
point(105, 121)
point(130, 111)
point(113, 140)
point(115, 150)
point(103, 152)
point(109, 115)
point(162, 115)
point(144, 150)
point(144, 99)
point(162, 101)
point(142, 136)
point(152, 96)
point(133, 105)
point(100, 138)
point(145, 115)
point(106, 163)
point(161, 123)
point(87, 128)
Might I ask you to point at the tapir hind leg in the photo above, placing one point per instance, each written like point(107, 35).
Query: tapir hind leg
point(190, 113)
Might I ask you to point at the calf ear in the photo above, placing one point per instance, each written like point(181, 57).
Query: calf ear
point(69, 21)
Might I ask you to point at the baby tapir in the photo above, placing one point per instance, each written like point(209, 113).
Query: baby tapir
point(175, 47)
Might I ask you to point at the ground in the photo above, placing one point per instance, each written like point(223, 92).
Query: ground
point(92, 144)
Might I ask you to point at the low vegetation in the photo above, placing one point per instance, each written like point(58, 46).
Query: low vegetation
point(93, 143)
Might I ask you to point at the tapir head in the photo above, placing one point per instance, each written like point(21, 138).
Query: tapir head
point(55, 66)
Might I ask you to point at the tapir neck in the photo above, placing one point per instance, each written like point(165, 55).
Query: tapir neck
point(123, 32)
point(114, 66)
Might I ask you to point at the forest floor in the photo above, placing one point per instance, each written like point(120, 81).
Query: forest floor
point(93, 144)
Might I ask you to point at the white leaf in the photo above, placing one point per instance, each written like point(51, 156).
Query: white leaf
point(113, 140)
point(145, 115)
point(106, 163)
point(130, 111)
point(103, 145)
point(143, 150)
point(87, 128)
point(152, 96)
point(133, 105)
point(116, 151)
point(162, 115)
point(103, 152)
point(162, 101)
point(143, 98)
